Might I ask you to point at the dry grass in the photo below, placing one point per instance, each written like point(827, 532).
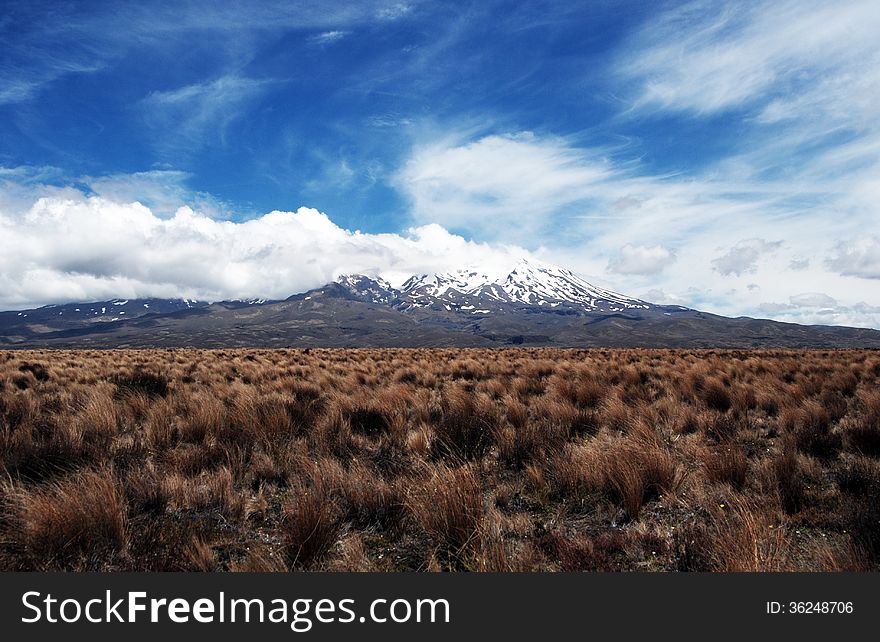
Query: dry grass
point(78, 517)
point(448, 504)
point(310, 527)
point(510, 460)
point(738, 536)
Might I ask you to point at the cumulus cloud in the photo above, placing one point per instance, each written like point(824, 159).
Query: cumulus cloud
point(89, 247)
point(819, 308)
point(617, 221)
point(162, 190)
point(641, 259)
point(656, 295)
point(857, 258)
point(743, 257)
point(813, 300)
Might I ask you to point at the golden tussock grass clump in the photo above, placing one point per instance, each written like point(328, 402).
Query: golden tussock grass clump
point(79, 518)
point(739, 536)
point(440, 459)
point(310, 525)
point(447, 502)
point(627, 472)
point(728, 465)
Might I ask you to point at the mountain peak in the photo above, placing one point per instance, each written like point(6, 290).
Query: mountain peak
point(527, 302)
point(365, 288)
point(526, 282)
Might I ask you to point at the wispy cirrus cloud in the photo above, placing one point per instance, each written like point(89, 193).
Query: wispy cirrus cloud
point(782, 58)
point(196, 114)
point(394, 10)
point(16, 89)
point(627, 228)
point(327, 37)
point(164, 191)
point(799, 82)
point(40, 50)
point(486, 184)
point(523, 186)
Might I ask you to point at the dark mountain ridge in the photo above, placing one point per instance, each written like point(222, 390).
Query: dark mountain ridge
point(531, 305)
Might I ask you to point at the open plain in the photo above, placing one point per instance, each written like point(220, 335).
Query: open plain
point(440, 459)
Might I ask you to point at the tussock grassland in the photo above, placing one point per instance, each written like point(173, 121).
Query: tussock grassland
point(481, 460)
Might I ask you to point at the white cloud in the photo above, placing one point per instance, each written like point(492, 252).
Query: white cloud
point(162, 190)
point(662, 297)
point(15, 89)
point(63, 245)
point(641, 259)
point(574, 206)
point(89, 248)
point(73, 41)
point(743, 257)
point(393, 11)
point(785, 56)
point(858, 258)
point(813, 300)
point(799, 84)
point(327, 37)
point(509, 182)
point(194, 114)
point(819, 308)
point(532, 189)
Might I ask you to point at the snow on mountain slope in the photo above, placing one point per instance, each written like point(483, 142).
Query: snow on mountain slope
point(529, 282)
point(362, 287)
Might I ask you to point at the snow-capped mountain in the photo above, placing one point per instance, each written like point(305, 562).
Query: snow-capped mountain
point(364, 288)
point(528, 303)
point(529, 283)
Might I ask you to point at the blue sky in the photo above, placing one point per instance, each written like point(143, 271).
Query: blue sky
point(721, 155)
